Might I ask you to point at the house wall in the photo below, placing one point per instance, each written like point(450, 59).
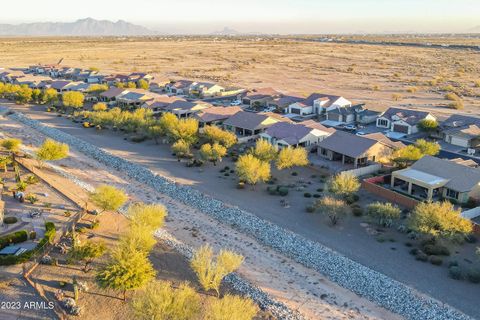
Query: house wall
point(457, 141)
point(382, 126)
point(302, 110)
point(389, 195)
point(380, 151)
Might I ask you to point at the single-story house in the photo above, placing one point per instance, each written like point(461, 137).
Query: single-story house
point(317, 104)
point(431, 178)
point(60, 85)
point(112, 94)
point(137, 76)
point(260, 96)
point(461, 130)
point(305, 134)
point(346, 114)
point(9, 75)
point(135, 97)
point(34, 82)
point(179, 87)
point(248, 124)
point(403, 120)
point(159, 104)
point(205, 89)
point(281, 103)
point(184, 109)
point(215, 115)
point(357, 150)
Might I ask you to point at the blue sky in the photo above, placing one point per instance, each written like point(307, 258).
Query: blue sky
point(280, 16)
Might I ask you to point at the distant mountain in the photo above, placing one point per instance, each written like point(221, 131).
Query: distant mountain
point(226, 32)
point(82, 27)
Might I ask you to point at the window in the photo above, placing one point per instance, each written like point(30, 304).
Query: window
point(452, 194)
point(382, 122)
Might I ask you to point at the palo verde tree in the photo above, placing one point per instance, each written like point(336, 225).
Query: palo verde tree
point(343, 184)
point(87, 252)
point(181, 149)
point(143, 84)
point(252, 170)
point(100, 106)
point(214, 134)
point(49, 96)
point(127, 269)
point(73, 99)
point(12, 145)
point(108, 198)
point(52, 150)
point(211, 270)
point(383, 214)
point(335, 209)
point(231, 307)
point(213, 153)
point(264, 150)
point(161, 301)
point(291, 157)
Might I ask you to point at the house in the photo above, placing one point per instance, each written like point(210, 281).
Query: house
point(282, 102)
point(113, 80)
point(346, 114)
point(159, 104)
point(135, 97)
point(34, 82)
point(261, 96)
point(431, 178)
point(461, 130)
point(10, 75)
point(248, 124)
point(215, 115)
point(205, 89)
point(112, 94)
point(184, 109)
point(305, 134)
point(179, 87)
point(357, 150)
point(403, 120)
point(60, 85)
point(317, 104)
point(137, 76)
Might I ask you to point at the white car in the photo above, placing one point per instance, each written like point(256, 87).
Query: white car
point(235, 103)
point(360, 133)
point(350, 127)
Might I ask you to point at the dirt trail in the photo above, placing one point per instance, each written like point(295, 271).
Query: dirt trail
point(298, 287)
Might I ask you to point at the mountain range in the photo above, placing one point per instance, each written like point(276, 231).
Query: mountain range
point(81, 27)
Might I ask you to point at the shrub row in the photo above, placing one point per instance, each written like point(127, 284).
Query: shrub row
point(16, 237)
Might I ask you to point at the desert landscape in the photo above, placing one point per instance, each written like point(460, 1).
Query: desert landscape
point(380, 76)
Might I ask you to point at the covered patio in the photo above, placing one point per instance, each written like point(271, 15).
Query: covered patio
point(418, 184)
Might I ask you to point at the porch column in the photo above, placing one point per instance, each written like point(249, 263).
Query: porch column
point(410, 188)
point(392, 182)
point(243, 132)
point(355, 162)
point(430, 194)
point(343, 159)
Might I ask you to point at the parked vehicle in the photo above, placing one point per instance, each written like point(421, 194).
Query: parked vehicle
point(350, 127)
point(236, 103)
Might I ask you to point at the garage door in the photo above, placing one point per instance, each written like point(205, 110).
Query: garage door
point(400, 128)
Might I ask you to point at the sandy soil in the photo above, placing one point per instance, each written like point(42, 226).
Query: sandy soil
point(362, 73)
point(287, 281)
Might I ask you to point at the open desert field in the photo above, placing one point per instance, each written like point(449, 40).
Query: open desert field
point(380, 76)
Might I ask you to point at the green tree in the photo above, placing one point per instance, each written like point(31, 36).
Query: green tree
point(149, 216)
point(160, 301)
point(143, 84)
point(213, 153)
point(12, 145)
point(140, 238)
point(155, 131)
point(52, 150)
point(439, 219)
point(131, 85)
point(100, 106)
point(264, 150)
point(97, 88)
point(252, 170)
point(49, 96)
point(427, 148)
point(402, 157)
point(181, 149)
point(24, 95)
point(127, 269)
point(186, 130)
point(87, 252)
point(334, 209)
point(168, 122)
point(36, 95)
point(428, 125)
point(73, 99)
point(4, 162)
point(108, 198)
point(231, 307)
point(343, 184)
point(383, 213)
point(210, 271)
point(216, 135)
point(291, 157)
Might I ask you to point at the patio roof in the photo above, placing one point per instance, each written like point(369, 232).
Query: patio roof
point(420, 178)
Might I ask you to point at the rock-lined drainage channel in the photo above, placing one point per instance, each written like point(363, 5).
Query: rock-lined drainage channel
point(375, 286)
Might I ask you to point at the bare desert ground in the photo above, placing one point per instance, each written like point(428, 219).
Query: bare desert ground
point(418, 77)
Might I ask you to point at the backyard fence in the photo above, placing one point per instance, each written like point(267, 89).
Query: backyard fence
point(363, 171)
point(373, 185)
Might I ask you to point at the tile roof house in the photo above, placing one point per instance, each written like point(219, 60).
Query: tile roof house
point(431, 178)
point(111, 94)
point(60, 85)
point(184, 109)
point(205, 89)
point(305, 134)
point(282, 102)
point(403, 121)
point(135, 97)
point(248, 124)
point(159, 104)
point(34, 82)
point(317, 104)
point(260, 96)
point(350, 115)
point(215, 115)
point(357, 150)
point(461, 130)
point(179, 87)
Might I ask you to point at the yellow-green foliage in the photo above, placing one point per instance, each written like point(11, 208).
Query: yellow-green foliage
point(160, 301)
point(52, 150)
point(291, 157)
point(211, 270)
point(231, 308)
point(215, 134)
point(100, 106)
point(439, 219)
point(129, 121)
point(73, 99)
point(108, 198)
point(181, 149)
point(252, 170)
point(213, 153)
point(264, 150)
point(343, 184)
point(335, 209)
point(11, 144)
point(383, 213)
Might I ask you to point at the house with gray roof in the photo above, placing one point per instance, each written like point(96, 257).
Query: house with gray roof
point(461, 130)
point(356, 150)
point(248, 125)
point(215, 115)
point(403, 121)
point(431, 178)
point(316, 104)
point(304, 134)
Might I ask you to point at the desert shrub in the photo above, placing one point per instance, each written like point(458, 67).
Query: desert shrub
point(294, 174)
point(357, 212)
point(435, 260)
point(455, 272)
point(421, 256)
point(241, 185)
point(139, 138)
point(436, 249)
point(33, 235)
point(316, 195)
point(283, 191)
point(383, 213)
point(412, 89)
point(16, 237)
point(10, 220)
point(272, 190)
point(413, 251)
point(457, 105)
point(473, 275)
point(310, 209)
point(320, 190)
point(307, 195)
point(452, 97)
